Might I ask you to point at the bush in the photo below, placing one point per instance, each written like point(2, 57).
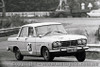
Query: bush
point(78, 31)
point(90, 35)
point(12, 21)
point(97, 33)
point(16, 21)
point(4, 24)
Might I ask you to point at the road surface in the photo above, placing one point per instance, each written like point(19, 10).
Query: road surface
point(58, 62)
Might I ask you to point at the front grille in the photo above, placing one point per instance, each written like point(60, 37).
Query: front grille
point(69, 43)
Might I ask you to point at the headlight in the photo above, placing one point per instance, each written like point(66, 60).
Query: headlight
point(79, 42)
point(56, 44)
point(59, 44)
point(84, 41)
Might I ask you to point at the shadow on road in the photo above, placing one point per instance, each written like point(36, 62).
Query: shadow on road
point(42, 60)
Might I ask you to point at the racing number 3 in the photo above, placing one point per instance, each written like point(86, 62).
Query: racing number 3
point(29, 47)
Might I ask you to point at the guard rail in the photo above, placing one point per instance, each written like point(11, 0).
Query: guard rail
point(8, 31)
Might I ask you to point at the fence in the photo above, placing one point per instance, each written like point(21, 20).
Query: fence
point(8, 31)
point(28, 14)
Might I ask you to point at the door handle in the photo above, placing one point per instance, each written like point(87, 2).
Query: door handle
point(17, 38)
point(26, 38)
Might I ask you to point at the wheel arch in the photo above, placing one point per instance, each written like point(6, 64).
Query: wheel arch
point(15, 48)
point(12, 48)
point(42, 49)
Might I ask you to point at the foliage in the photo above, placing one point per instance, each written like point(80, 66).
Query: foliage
point(76, 4)
point(13, 21)
point(41, 5)
point(16, 21)
point(30, 5)
point(97, 33)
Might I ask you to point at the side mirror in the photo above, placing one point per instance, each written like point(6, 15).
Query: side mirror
point(17, 38)
point(40, 36)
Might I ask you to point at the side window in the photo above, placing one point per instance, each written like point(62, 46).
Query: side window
point(30, 31)
point(24, 32)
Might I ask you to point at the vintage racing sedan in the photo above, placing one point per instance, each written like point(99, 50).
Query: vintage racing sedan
point(49, 40)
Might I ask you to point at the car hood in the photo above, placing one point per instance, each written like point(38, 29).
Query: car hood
point(61, 38)
point(93, 14)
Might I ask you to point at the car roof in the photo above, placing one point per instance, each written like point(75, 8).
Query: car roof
point(41, 24)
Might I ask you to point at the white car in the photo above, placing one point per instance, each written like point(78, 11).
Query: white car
point(49, 40)
point(94, 13)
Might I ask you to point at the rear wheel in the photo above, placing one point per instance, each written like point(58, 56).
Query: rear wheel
point(80, 56)
point(83, 15)
point(47, 55)
point(61, 15)
point(18, 55)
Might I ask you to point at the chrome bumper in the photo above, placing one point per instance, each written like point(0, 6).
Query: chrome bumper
point(68, 49)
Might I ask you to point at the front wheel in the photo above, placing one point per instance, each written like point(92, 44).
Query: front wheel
point(47, 55)
point(80, 56)
point(18, 55)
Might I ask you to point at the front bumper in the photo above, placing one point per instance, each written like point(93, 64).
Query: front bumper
point(69, 49)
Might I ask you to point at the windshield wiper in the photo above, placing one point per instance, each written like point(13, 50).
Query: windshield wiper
point(47, 33)
point(59, 32)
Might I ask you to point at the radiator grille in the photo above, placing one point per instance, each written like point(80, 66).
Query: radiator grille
point(69, 43)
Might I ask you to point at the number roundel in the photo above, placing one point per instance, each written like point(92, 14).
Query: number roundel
point(29, 47)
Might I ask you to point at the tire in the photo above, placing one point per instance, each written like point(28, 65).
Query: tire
point(61, 16)
point(47, 55)
point(75, 15)
point(83, 15)
point(80, 56)
point(18, 55)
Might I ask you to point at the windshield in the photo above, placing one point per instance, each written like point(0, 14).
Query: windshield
point(50, 30)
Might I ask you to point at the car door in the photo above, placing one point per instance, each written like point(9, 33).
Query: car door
point(40, 37)
point(31, 43)
point(21, 40)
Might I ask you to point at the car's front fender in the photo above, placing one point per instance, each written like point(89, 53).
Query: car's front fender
point(11, 48)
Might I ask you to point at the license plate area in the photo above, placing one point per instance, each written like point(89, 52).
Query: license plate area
point(71, 50)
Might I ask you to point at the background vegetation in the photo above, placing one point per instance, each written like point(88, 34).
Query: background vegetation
point(30, 5)
point(13, 21)
point(41, 5)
